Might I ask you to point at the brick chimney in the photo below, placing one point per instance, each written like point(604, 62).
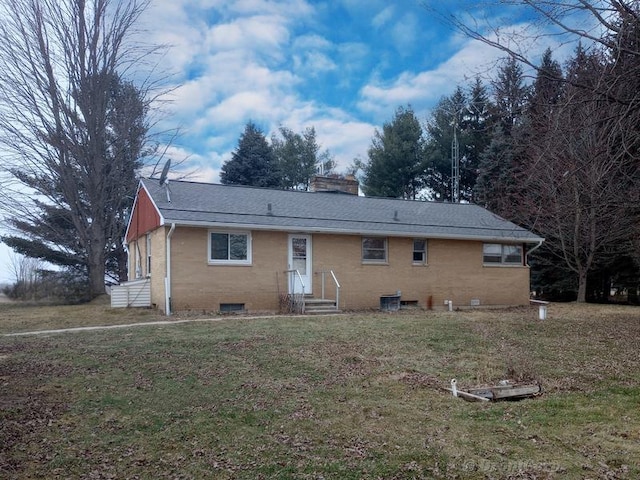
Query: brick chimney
point(335, 184)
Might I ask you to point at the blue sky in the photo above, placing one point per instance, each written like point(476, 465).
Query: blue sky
point(341, 66)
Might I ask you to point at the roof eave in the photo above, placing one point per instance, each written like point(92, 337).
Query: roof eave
point(341, 231)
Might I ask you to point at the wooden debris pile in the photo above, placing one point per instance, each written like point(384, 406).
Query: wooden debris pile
point(505, 390)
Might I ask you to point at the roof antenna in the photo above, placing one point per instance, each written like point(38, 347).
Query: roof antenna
point(164, 180)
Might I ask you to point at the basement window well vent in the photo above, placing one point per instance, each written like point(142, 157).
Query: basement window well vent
point(231, 307)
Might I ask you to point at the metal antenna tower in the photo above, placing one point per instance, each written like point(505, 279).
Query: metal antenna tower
point(455, 164)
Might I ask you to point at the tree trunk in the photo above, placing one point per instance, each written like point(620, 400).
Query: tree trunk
point(96, 276)
point(582, 287)
point(96, 262)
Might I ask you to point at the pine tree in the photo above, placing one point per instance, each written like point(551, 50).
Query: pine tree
point(547, 87)
point(252, 163)
point(477, 125)
point(298, 158)
point(395, 166)
point(510, 95)
point(501, 163)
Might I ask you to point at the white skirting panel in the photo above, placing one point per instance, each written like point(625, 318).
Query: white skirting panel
point(136, 293)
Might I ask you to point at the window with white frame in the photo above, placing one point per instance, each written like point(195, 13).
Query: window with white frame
point(501, 254)
point(138, 268)
point(419, 251)
point(374, 249)
point(229, 248)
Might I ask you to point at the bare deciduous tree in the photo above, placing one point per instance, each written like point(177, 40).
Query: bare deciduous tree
point(581, 186)
point(578, 192)
point(58, 64)
point(26, 274)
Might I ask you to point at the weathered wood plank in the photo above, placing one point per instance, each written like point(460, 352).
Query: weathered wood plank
point(507, 391)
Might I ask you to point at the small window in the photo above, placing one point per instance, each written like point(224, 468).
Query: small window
point(231, 307)
point(148, 254)
point(420, 251)
point(374, 249)
point(230, 248)
point(498, 254)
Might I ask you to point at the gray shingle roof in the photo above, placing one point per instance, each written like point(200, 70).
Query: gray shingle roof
point(209, 205)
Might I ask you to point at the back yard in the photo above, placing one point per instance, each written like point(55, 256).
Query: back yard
point(347, 397)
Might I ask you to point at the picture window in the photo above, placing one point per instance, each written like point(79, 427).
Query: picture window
point(500, 254)
point(230, 248)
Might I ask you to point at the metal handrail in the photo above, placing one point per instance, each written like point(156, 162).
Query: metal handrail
point(337, 290)
point(335, 280)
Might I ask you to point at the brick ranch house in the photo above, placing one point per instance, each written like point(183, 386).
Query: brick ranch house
point(223, 248)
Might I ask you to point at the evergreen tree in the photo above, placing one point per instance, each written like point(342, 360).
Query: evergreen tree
point(510, 95)
point(477, 128)
point(547, 87)
point(501, 163)
point(495, 185)
point(395, 166)
point(252, 163)
point(298, 158)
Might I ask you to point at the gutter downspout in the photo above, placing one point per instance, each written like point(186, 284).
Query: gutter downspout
point(532, 250)
point(167, 278)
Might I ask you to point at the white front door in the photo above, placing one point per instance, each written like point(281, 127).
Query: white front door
point(300, 260)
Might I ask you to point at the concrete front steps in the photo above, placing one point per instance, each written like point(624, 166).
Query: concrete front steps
point(319, 306)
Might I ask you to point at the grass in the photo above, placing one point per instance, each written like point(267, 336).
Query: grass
point(25, 316)
point(345, 397)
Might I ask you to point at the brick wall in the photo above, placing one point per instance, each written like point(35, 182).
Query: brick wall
point(454, 271)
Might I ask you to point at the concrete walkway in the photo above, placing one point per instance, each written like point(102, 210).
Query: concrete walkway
point(131, 325)
point(112, 327)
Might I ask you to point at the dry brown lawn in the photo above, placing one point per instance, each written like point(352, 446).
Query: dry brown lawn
point(357, 396)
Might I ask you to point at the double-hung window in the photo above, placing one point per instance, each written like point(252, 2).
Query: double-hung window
point(374, 249)
point(229, 248)
point(419, 251)
point(500, 254)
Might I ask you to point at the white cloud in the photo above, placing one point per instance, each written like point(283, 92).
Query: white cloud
point(263, 35)
point(206, 175)
point(405, 34)
point(346, 139)
point(243, 106)
point(423, 89)
point(383, 17)
point(293, 8)
point(311, 41)
point(314, 64)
